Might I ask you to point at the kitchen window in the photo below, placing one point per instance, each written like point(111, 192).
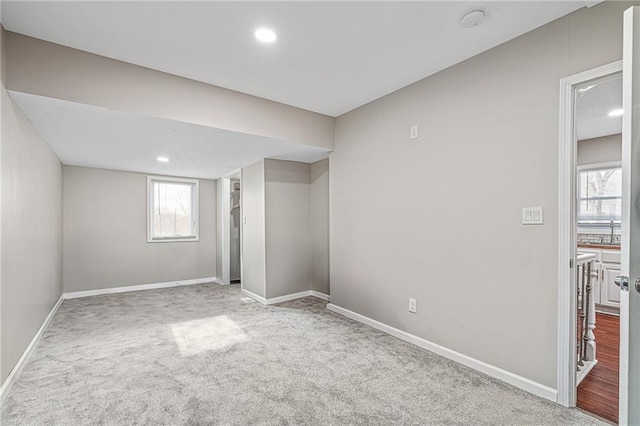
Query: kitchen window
point(172, 209)
point(599, 194)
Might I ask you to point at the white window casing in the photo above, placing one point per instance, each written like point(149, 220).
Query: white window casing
point(172, 209)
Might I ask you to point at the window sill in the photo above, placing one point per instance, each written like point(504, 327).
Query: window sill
point(173, 240)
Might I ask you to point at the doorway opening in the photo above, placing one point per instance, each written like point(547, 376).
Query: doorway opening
point(590, 228)
point(598, 129)
point(234, 232)
point(229, 229)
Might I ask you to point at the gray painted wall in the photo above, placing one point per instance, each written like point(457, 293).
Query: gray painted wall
point(290, 252)
point(253, 231)
point(105, 233)
point(31, 259)
point(320, 226)
point(48, 69)
point(439, 218)
point(600, 150)
point(288, 227)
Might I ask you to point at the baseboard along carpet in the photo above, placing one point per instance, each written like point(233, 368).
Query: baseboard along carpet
point(200, 355)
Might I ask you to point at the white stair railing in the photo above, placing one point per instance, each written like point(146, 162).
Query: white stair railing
point(586, 339)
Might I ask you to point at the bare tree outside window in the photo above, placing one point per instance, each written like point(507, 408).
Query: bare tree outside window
point(600, 196)
point(172, 212)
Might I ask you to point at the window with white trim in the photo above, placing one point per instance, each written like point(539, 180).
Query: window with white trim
point(599, 195)
point(172, 209)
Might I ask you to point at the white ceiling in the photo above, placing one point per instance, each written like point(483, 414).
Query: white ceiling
point(594, 101)
point(83, 135)
point(330, 57)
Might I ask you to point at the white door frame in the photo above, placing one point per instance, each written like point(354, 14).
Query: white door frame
point(628, 412)
point(223, 209)
point(224, 185)
point(567, 309)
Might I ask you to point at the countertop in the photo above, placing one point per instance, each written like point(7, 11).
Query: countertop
point(600, 246)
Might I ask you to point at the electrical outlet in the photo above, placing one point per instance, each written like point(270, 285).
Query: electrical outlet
point(412, 305)
point(413, 132)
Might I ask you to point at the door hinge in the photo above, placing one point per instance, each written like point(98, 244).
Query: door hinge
point(570, 263)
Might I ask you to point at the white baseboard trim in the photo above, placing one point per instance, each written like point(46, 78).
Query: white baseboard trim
point(218, 281)
point(319, 295)
point(254, 296)
point(17, 369)
point(286, 297)
point(125, 289)
point(488, 369)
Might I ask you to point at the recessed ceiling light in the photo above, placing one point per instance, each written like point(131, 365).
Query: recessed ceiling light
point(163, 159)
point(616, 112)
point(265, 35)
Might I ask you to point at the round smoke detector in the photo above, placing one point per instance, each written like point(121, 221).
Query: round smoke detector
point(472, 19)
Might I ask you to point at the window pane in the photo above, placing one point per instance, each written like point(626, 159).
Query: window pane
point(600, 210)
point(600, 195)
point(172, 204)
point(601, 183)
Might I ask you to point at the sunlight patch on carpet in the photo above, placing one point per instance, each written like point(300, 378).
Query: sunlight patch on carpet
point(208, 334)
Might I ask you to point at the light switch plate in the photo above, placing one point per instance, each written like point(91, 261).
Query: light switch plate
point(532, 216)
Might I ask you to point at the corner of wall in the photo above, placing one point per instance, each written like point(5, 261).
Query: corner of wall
point(253, 233)
point(31, 269)
point(288, 227)
point(319, 195)
point(98, 251)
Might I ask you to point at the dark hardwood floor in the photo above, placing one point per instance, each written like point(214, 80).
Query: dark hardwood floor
point(598, 392)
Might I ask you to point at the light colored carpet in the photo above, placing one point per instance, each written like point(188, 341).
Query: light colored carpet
point(199, 355)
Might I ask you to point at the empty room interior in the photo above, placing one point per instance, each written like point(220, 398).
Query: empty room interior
point(306, 212)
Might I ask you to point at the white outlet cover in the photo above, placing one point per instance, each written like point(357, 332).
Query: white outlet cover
point(413, 132)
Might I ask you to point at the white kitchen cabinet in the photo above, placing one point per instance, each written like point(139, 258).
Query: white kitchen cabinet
point(609, 291)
